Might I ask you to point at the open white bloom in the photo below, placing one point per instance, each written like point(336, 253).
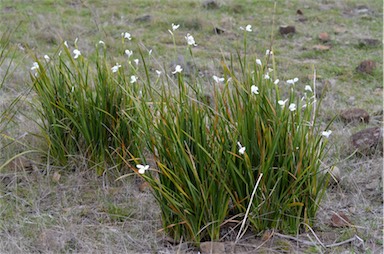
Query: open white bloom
point(268, 52)
point(217, 79)
point(158, 73)
point(292, 81)
point(266, 76)
point(133, 79)
point(35, 66)
point(126, 36)
point(292, 107)
point(241, 148)
point(282, 102)
point(178, 69)
point(308, 88)
point(326, 133)
point(190, 40)
point(174, 27)
point(47, 58)
point(128, 53)
point(142, 168)
point(76, 53)
point(116, 67)
point(258, 61)
point(276, 81)
point(248, 28)
point(136, 61)
point(254, 89)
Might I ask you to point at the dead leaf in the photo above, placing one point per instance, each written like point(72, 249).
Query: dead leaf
point(321, 47)
point(339, 220)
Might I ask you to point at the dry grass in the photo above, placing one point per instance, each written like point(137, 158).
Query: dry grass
point(84, 213)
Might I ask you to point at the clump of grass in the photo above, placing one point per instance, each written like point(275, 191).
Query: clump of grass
point(210, 152)
point(83, 107)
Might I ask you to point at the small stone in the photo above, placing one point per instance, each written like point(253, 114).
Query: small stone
point(324, 37)
point(368, 140)
point(218, 30)
point(354, 115)
point(210, 4)
point(212, 248)
point(145, 18)
point(299, 12)
point(367, 66)
point(339, 220)
point(143, 187)
point(335, 175)
point(285, 30)
point(367, 42)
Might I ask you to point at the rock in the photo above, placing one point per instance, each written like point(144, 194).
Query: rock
point(335, 175)
point(339, 220)
point(367, 66)
point(324, 37)
point(354, 115)
point(212, 248)
point(285, 30)
point(299, 12)
point(145, 18)
point(367, 42)
point(218, 30)
point(210, 5)
point(367, 140)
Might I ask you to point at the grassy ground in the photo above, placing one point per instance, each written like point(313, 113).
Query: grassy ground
point(82, 213)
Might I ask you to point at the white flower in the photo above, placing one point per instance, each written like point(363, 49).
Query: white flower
point(35, 66)
point(47, 58)
point(128, 52)
point(292, 107)
point(308, 88)
point(190, 40)
point(150, 52)
point(133, 79)
point(66, 44)
point(217, 79)
point(258, 61)
point(142, 168)
point(174, 27)
point(76, 53)
point(158, 73)
point(76, 41)
point(326, 133)
point(126, 36)
point(136, 61)
point(254, 89)
point(282, 103)
point(276, 81)
point(266, 76)
point(248, 28)
point(292, 81)
point(241, 148)
point(178, 69)
point(101, 42)
point(116, 67)
point(268, 52)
